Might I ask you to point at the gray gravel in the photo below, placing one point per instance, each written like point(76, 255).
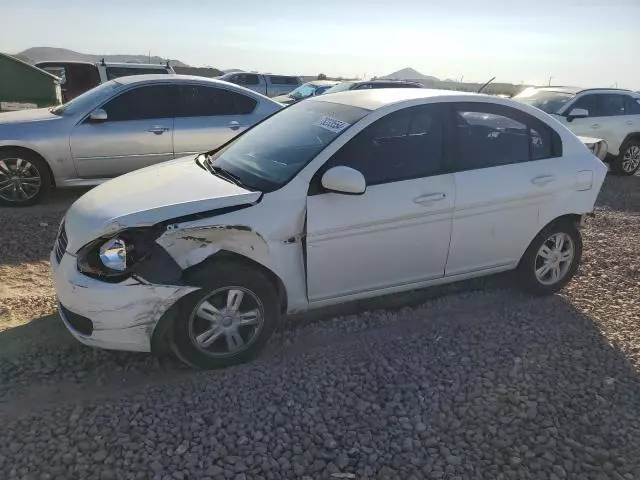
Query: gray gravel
point(471, 384)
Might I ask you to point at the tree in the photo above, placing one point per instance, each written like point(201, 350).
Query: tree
point(322, 76)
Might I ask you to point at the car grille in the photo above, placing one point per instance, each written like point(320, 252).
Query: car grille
point(61, 243)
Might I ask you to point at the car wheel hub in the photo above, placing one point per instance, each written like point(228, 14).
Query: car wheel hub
point(19, 180)
point(631, 159)
point(554, 258)
point(226, 322)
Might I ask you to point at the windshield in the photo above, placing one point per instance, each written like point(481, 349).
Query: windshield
point(545, 100)
point(303, 91)
point(340, 88)
point(267, 156)
point(87, 100)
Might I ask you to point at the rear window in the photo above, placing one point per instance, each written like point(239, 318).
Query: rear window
point(116, 72)
point(282, 80)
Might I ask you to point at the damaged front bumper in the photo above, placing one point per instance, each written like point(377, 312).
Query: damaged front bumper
point(117, 316)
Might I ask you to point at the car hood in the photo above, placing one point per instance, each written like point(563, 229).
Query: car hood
point(148, 196)
point(284, 99)
point(23, 116)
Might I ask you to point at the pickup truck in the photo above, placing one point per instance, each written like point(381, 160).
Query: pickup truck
point(266, 84)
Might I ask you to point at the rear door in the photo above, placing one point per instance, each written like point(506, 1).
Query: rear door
point(507, 171)
point(138, 132)
point(207, 117)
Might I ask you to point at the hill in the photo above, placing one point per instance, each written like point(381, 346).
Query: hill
point(42, 54)
point(408, 74)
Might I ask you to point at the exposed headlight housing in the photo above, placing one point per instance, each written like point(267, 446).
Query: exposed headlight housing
point(113, 254)
point(113, 258)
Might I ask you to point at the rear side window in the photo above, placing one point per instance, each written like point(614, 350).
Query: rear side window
point(142, 103)
point(283, 80)
point(612, 105)
point(116, 72)
point(246, 79)
point(201, 101)
point(487, 135)
point(403, 145)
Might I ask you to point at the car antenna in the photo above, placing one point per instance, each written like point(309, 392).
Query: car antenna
point(484, 85)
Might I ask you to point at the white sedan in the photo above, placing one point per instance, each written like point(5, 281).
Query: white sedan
point(337, 198)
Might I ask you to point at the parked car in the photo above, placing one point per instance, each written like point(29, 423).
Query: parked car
point(117, 127)
point(306, 90)
point(607, 113)
point(337, 198)
point(78, 77)
point(269, 85)
point(372, 84)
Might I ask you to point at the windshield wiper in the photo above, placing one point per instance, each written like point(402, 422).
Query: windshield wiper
point(222, 173)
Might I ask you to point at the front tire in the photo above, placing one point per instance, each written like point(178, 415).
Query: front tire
point(24, 178)
point(552, 259)
point(628, 162)
point(229, 320)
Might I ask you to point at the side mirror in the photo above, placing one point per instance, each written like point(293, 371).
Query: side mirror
point(577, 113)
point(98, 115)
point(344, 180)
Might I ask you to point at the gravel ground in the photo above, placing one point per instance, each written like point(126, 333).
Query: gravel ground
point(471, 381)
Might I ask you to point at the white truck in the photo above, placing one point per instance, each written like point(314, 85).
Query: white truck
point(266, 84)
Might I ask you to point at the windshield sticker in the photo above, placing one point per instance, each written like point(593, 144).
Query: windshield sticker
point(332, 124)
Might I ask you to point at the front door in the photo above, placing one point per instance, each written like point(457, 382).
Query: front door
point(138, 132)
point(398, 231)
point(506, 170)
point(208, 117)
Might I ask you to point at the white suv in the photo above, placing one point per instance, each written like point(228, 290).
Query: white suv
point(607, 113)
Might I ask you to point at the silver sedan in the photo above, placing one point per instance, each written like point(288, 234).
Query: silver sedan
point(117, 127)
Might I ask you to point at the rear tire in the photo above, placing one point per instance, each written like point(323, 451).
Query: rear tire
point(24, 178)
point(552, 259)
point(628, 161)
point(229, 320)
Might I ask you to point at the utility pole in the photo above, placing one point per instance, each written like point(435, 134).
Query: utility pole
point(550, 80)
point(149, 56)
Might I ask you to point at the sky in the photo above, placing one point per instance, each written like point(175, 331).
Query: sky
point(583, 43)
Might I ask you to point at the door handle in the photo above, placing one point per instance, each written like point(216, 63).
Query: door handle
point(629, 122)
point(234, 125)
point(430, 198)
point(595, 125)
point(158, 129)
point(542, 180)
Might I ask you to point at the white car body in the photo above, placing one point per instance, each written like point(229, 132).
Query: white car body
point(328, 248)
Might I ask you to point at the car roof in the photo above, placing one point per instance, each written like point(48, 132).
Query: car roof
point(133, 65)
point(576, 90)
point(173, 77)
point(328, 83)
point(378, 98)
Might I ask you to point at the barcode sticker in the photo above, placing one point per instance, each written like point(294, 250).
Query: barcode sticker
point(332, 124)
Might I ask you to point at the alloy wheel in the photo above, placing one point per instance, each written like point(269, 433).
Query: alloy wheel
point(631, 159)
point(554, 258)
point(19, 180)
point(226, 322)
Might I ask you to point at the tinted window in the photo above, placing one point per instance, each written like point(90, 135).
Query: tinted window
point(612, 105)
point(282, 80)
point(116, 72)
point(200, 101)
point(633, 106)
point(403, 145)
point(246, 79)
point(140, 104)
point(588, 103)
point(494, 135)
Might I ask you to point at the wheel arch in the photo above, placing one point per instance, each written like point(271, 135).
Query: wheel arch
point(574, 218)
point(31, 151)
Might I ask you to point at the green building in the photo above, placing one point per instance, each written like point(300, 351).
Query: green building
point(25, 86)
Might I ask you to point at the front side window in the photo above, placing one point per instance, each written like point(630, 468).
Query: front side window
point(116, 72)
point(201, 101)
point(246, 79)
point(270, 154)
point(87, 100)
point(588, 103)
point(633, 105)
point(404, 145)
point(489, 135)
point(141, 103)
